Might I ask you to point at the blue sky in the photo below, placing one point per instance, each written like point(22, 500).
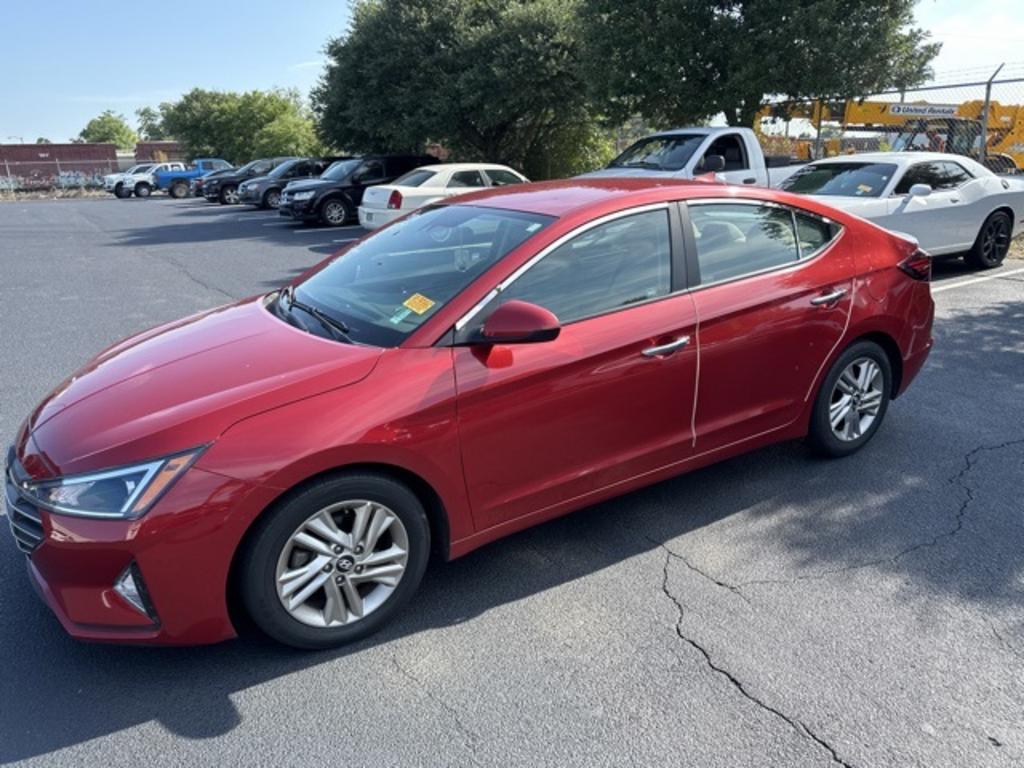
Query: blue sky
point(65, 62)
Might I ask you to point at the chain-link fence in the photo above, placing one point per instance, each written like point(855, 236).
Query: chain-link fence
point(982, 119)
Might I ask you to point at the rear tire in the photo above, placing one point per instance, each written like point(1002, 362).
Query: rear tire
point(852, 401)
point(229, 195)
point(178, 190)
point(992, 243)
point(316, 532)
point(335, 212)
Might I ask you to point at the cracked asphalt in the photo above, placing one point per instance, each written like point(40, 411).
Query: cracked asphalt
point(773, 610)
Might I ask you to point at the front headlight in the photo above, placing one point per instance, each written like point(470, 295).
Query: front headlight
point(303, 195)
point(122, 493)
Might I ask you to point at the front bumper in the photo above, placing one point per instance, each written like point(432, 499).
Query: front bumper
point(374, 218)
point(303, 210)
point(250, 195)
point(182, 549)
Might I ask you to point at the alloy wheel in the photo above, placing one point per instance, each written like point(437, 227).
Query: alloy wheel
point(856, 399)
point(273, 199)
point(231, 195)
point(335, 213)
point(342, 563)
point(995, 241)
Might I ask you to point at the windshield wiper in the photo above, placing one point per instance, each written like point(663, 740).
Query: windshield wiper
point(337, 328)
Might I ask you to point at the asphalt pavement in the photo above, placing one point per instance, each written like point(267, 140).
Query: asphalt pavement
point(773, 610)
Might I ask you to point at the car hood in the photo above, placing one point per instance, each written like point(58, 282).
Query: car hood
point(314, 184)
point(182, 385)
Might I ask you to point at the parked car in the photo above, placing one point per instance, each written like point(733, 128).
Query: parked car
point(733, 154)
point(951, 204)
point(196, 186)
point(384, 203)
point(460, 375)
point(265, 191)
point(137, 180)
point(176, 183)
point(223, 188)
point(334, 198)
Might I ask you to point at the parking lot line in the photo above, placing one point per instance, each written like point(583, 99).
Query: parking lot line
point(973, 280)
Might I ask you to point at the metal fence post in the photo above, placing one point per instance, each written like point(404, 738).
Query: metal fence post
point(984, 113)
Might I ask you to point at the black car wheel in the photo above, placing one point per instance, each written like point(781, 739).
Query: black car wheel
point(271, 198)
point(335, 212)
point(228, 195)
point(993, 242)
point(179, 190)
point(142, 189)
point(121, 192)
point(334, 561)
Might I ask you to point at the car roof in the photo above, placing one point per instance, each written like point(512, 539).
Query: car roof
point(904, 159)
point(462, 167)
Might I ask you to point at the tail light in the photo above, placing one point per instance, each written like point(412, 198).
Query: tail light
point(918, 265)
point(395, 201)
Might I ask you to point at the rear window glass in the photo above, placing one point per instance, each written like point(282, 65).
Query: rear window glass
point(414, 178)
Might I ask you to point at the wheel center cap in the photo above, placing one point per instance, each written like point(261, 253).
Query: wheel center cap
point(346, 563)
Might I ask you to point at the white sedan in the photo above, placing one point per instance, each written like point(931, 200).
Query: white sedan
point(427, 184)
point(951, 204)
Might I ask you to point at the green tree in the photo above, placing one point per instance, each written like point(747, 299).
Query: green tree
point(43, 140)
point(489, 79)
point(239, 126)
point(109, 128)
point(683, 61)
point(151, 124)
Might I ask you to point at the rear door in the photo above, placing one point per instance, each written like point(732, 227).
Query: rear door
point(610, 399)
point(773, 289)
point(462, 182)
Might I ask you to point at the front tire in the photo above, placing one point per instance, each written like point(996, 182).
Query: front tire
point(122, 193)
point(852, 401)
point(335, 212)
point(229, 195)
point(271, 198)
point(335, 561)
point(992, 243)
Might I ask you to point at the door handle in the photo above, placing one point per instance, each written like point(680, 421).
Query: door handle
point(828, 298)
point(663, 350)
point(750, 181)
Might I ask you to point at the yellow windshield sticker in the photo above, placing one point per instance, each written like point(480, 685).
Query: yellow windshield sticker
point(864, 189)
point(418, 303)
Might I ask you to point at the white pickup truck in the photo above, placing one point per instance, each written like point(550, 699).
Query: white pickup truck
point(732, 154)
point(138, 179)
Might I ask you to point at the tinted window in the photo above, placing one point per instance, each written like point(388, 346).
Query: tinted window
point(502, 178)
point(735, 240)
point(611, 266)
point(940, 175)
point(843, 179)
point(340, 170)
point(414, 178)
point(466, 179)
point(299, 168)
point(813, 234)
point(731, 148)
point(385, 287)
point(371, 171)
point(660, 153)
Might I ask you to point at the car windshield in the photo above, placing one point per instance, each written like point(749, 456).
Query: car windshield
point(841, 179)
point(340, 170)
point(283, 168)
point(388, 285)
point(660, 153)
point(414, 178)
point(139, 168)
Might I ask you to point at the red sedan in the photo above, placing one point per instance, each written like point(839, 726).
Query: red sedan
point(473, 369)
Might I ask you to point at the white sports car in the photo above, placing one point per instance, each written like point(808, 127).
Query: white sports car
point(952, 205)
point(384, 203)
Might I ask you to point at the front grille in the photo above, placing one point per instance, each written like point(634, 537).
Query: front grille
point(23, 516)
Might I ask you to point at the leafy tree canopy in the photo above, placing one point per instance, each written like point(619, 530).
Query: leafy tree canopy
point(109, 128)
point(151, 124)
point(682, 61)
point(494, 80)
point(239, 126)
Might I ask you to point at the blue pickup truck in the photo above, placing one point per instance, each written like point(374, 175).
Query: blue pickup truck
point(175, 183)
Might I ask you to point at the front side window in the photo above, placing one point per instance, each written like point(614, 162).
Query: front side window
point(844, 179)
point(385, 287)
point(466, 179)
point(731, 148)
point(609, 267)
point(372, 171)
point(937, 175)
point(734, 240)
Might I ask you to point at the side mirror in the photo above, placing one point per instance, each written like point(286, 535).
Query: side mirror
point(519, 322)
point(920, 190)
point(712, 164)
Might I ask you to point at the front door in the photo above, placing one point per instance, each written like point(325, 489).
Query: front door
point(771, 309)
point(609, 399)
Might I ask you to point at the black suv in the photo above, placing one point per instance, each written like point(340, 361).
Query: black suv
point(224, 188)
point(265, 191)
point(334, 198)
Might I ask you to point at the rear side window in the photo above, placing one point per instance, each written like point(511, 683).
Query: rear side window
point(813, 234)
point(606, 268)
point(502, 178)
point(466, 179)
point(735, 240)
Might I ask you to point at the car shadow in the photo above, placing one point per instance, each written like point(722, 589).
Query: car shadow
point(883, 508)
